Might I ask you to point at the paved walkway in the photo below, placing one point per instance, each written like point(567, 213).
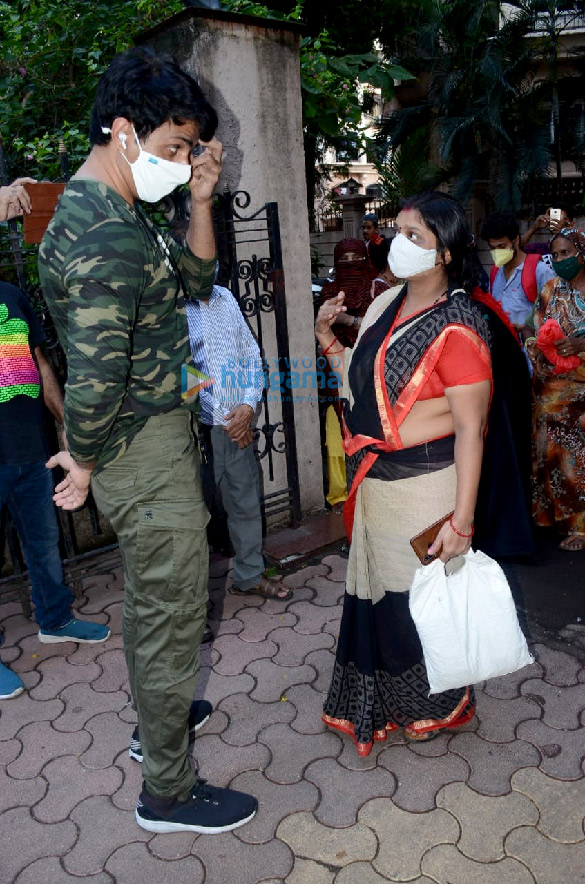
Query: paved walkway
point(500, 802)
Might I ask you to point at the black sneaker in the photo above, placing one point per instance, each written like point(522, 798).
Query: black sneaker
point(208, 810)
point(198, 715)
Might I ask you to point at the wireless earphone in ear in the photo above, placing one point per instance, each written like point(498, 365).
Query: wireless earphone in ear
point(122, 138)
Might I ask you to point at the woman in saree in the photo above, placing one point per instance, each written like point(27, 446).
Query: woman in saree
point(559, 394)
point(416, 392)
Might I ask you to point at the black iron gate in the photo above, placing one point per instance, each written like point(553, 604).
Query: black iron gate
point(250, 264)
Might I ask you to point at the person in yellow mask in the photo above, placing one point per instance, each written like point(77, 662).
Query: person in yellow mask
point(516, 278)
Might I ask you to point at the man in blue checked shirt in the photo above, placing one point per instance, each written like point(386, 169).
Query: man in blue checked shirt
point(225, 350)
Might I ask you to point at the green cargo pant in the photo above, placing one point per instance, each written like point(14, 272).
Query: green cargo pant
point(152, 496)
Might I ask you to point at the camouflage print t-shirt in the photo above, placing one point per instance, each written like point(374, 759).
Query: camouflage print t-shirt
point(114, 285)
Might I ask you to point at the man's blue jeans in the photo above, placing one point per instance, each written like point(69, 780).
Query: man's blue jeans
point(28, 491)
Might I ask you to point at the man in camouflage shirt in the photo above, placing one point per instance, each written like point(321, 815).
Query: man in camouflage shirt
point(115, 286)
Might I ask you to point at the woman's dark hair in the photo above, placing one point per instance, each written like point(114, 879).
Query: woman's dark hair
point(148, 91)
point(378, 253)
point(500, 224)
point(445, 217)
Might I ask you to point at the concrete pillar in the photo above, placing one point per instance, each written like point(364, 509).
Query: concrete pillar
point(249, 69)
point(354, 208)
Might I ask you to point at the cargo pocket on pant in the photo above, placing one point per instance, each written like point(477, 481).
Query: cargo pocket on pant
point(171, 553)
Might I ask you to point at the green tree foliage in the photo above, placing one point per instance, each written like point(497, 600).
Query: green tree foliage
point(52, 56)
point(337, 85)
point(481, 116)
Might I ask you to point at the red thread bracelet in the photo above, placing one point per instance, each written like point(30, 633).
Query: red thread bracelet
point(325, 352)
point(459, 532)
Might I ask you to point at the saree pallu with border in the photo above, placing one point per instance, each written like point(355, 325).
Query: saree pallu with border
point(379, 674)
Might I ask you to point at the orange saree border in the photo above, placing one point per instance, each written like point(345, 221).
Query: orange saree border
point(392, 417)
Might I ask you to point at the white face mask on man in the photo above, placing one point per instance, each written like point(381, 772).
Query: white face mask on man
point(153, 176)
point(406, 259)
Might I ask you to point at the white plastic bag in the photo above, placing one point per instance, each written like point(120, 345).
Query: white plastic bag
point(467, 623)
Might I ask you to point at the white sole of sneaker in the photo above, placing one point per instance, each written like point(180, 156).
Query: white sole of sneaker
point(162, 827)
point(56, 639)
point(15, 693)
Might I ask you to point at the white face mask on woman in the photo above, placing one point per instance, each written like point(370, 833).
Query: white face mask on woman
point(153, 176)
point(406, 259)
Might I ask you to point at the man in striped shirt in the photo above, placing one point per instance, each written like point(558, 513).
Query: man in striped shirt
point(225, 350)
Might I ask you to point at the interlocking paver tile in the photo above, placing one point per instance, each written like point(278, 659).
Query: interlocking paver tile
point(562, 751)
point(309, 839)
point(82, 703)
point(133, 864)
point(549, 861)
point(24, 840)
point(9, 750)
point(337, 567)
point(114, 673)
point(110, 736)
point(292, 752)
point(247, 717)
point(16, 628)
point(561, 804)
point(80, 655)
point(418, 778)
point(485, 821)
point(403, 838)
point(307, 871)
point(69, 784)
point(332, 627)
point(559, 668)
point(171, 845)
point(275, 802)
point(328, 593)
point(114, 614)
point(217, 686)
point(41, 743)
point(218, 763)
point(445, 863)
point(258, 625)
point(97, 842)
point(309, 706)
point(322, 662)
point(33, 652)
point(498, 719)
point(10, 655)
point(221, 854)
point(236, 654)
point(299, 578)
point(274, 681)
point(125, 797)
point(20, 793)
point(492, 764)
point(229, 606)
point(56, 674)
point(312, 619)
point(49, 870)
point(561, 705)
point(224, 627)
point(294, 648)
point(438, 746)
point(360, 873)
point(507, 687)
point(343, 792)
